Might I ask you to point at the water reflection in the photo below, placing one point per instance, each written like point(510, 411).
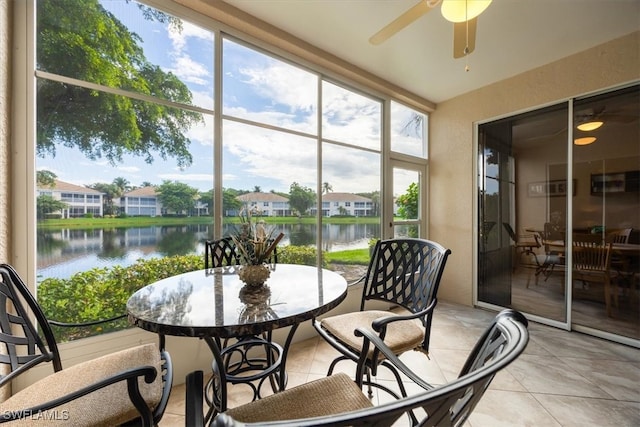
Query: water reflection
point(63, 252)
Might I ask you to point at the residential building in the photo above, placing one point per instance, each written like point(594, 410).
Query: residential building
point(142, 201)
point(81, 201)
point(346, 204)
point(266, 204)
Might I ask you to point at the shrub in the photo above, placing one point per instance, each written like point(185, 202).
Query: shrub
point(101, 293)
point(304, 255)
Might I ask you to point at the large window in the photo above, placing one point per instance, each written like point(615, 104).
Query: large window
point(125, 119)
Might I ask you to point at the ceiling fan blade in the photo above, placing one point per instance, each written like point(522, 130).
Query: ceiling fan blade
point(401, 21)
point(460, 38)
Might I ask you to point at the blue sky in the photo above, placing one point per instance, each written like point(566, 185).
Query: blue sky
point(259, 88)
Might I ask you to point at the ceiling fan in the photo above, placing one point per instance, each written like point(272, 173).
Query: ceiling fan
point(463, 14)
point(624, 114)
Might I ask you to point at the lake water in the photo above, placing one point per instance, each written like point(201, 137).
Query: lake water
point(61, 253)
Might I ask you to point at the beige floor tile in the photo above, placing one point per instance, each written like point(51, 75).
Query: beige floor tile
point(579, 412)
point(619, 379)
point(500, 408)
point(540, 374)
point(562, 379)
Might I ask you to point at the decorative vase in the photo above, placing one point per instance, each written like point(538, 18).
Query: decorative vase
point(256, 304)
point(254, 275)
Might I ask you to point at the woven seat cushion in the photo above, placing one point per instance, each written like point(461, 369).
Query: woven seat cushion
point(109, 406)
point(401, 336)
point(327, 396)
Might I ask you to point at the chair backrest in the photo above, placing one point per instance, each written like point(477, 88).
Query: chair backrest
point(406, 272)
point(220, 253)
point(445, 405)
point(553, 231)
point(24, 344)
point(619, 236)
point(591, 256)
point(510, 231)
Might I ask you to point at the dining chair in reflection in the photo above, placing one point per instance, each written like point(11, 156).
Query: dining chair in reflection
point(592, 264)
point(523, 244)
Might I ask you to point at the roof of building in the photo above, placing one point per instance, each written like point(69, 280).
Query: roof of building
point(261, 197)
point(149, 191)
point(343, 197)
point(70, 188)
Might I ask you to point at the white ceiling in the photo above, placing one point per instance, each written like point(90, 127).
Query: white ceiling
point(513, 36)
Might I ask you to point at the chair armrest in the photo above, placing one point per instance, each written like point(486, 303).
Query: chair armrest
point(355, 282)
point(371, 338)
point(130, 376)
point(91, 323)
point(379, 324)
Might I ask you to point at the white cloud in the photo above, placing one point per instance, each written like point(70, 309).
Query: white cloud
point(182, 177)
point(190, 71)
point(129, 169)
point(183, 66)
point(179, 36)
point(284, 84)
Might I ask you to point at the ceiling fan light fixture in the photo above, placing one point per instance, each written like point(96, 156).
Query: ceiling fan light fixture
point(463, 10)
point(589, 126)
point(585, 140)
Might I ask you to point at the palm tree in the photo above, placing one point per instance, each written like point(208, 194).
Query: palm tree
point(122, 183)
point(326, 187)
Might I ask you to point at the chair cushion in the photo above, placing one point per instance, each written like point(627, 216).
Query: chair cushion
point(327, 396)
point(109, 406)
point(401, 336)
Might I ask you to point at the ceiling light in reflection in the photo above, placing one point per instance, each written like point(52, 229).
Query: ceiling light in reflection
point(589, 126)
point(584, 141)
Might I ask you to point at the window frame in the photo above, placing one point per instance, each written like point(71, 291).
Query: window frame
point(25, 76)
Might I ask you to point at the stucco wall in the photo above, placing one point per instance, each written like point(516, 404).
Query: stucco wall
point(452, 188)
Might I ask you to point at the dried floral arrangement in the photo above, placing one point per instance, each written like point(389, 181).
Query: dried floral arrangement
point(253, 240)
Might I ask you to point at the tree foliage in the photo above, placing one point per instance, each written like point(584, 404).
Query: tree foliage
point(46, 179)
point(301, 198)
point(46, 204)
point(408, 202)
point(176, 196)
point(230, 203)
point(82, 40)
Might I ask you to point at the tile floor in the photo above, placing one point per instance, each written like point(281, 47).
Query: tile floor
point(562, 378)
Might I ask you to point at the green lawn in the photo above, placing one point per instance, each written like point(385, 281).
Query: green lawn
point(159, 220)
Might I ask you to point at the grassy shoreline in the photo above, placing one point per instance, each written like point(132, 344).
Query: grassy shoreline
point(88, 223)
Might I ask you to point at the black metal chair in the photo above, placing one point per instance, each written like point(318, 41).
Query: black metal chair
point(129, 386)
point(406, 273)
point(222, 253)
point(337, 400)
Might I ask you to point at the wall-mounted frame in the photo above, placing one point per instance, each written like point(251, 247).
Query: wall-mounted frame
point(553, 188)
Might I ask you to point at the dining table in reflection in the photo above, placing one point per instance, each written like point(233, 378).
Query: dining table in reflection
point(235, 320)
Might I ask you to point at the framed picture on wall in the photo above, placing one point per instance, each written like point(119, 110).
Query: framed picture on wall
point(553, 188)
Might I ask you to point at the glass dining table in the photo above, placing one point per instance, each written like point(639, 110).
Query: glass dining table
point(236, 321)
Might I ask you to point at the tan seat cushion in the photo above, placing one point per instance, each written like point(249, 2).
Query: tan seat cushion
point(327, 396)
point(106, 407)
point(401, 336)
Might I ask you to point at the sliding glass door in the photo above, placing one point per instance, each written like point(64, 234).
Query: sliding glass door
point(530, 213)
point(606, 164)
point(522, 161)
